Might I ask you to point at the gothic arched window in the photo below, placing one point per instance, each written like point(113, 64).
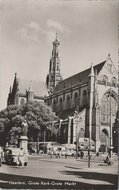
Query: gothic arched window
point(54, 105)
point(61, 103)
point(105, 80)
point(84, 97)
point(68, 102)
point(22, 101)
point(81, 133)
point(76, 100)
point(114, 81)
point(108, 106)
point(104, 140)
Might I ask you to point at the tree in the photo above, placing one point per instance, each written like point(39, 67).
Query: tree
point(36, 114)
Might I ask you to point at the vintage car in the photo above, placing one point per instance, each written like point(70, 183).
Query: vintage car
point(70, 149)
point(11, 156)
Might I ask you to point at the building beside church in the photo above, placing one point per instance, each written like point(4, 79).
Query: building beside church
point(70, 100)
point(23, 91)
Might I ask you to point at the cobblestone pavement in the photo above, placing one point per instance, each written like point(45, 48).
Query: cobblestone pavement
point(66, 170)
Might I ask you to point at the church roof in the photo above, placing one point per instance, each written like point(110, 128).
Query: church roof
point(64, 114)
point(39, 88)
point(74, 80)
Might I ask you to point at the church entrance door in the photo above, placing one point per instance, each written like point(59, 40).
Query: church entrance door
point(104, 141)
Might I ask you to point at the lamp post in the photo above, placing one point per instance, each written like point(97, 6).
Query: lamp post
point(38, 142)
point(110, 95)
point(78, 120)
point(76, 139)
point(76, 123)
point(111, 147)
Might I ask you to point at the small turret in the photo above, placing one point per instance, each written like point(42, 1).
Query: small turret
point(30, 93)
point(91, 84)
point(92, 71)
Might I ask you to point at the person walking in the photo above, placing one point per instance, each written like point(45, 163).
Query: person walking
point(51, 152)
point(65, 153)
point(21, 158)
point(82, 154)
point(60, 153)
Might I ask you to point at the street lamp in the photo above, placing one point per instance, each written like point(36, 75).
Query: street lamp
point(38, 142)
point(78, 119)
point(76, 139)
point(76, 123)
point(111, 147)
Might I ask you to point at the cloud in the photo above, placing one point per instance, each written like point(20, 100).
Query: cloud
point(30, 31)
point(50, 36)
point(34, 26)
point(54, 27)
point(51, 24)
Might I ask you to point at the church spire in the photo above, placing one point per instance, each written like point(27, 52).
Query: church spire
point(30, 87)
point(54, 68)
point(15, 85)
point(55, 48)
point(56, 35)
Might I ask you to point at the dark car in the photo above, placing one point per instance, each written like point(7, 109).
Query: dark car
point(11, 156)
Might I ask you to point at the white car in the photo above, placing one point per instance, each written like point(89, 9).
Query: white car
point(71, 152)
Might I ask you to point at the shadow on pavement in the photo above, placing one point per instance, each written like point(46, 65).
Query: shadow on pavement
point(9, 181)
point(76, 168)
point(110, 178)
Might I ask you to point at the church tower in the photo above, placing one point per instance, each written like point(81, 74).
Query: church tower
point(54, 76)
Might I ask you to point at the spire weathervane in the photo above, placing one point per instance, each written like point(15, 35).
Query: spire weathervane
point(56, 35)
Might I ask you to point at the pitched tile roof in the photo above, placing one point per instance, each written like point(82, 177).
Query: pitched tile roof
point(39, 88)
point(74, 80)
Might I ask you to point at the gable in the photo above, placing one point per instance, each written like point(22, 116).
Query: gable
point(108, 71)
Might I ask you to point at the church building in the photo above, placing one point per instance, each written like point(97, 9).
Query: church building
point(70, 100)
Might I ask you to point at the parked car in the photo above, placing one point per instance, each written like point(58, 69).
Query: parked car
point(11, 156)
point(70, 149)
point(71, 152)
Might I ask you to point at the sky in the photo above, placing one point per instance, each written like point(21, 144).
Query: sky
point(87, 32)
